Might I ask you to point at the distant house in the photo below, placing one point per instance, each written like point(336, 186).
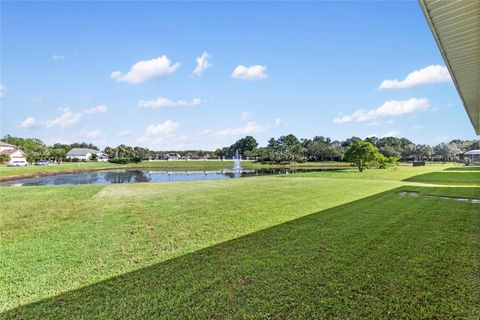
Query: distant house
point(13, 152)
point(173, 156)
point(472, 156)
point(86, 154)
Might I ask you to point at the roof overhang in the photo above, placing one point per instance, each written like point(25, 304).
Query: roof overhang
point(456, 28)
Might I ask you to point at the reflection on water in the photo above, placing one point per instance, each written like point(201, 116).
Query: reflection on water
point(136, 176)
point(126, 177)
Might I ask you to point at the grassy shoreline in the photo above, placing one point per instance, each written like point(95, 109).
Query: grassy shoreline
point(9, 173)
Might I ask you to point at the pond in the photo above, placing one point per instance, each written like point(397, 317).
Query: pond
point(142, 175)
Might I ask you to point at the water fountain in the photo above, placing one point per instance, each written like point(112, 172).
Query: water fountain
point(236, 161)
point(237, 170)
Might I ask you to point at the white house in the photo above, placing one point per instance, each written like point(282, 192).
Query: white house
point(472, 157)
point(13, 152)
point(86, 154)
point(102, 157)
point(173, 156)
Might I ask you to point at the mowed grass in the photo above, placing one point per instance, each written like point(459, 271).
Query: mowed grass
point(465, 168)
point(55, 239)
point(460, 177)
point(398, 173)
point(264, 247)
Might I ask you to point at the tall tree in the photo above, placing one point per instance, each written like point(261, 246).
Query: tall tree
point(34, 149)
point(245, 146)
point(362, 154)
point(283, 150)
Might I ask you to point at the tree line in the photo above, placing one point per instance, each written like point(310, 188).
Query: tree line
point(36, 149)
point(289, 148)
point(284, 149)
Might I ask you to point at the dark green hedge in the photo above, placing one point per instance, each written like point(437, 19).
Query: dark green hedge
point(125, 160)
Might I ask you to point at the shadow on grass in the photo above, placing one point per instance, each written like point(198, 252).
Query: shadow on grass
point(465, 177)
point(384, 256)
point(464, 168)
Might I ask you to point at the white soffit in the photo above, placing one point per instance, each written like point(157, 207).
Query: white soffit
point(456, 28)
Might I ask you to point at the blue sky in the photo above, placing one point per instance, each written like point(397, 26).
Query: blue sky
point(123, 72)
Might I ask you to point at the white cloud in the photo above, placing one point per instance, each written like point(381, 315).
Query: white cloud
point(278, 122)
point(393, 133)
point(57, 56)
point(247, 129)
point(3, 91)
point(388, 109)
point(206, 139)
point(162, 128)
point(66, 120)
point(123, 133)
point(390, 122)
point(245, 115)
point(445, 139)
point(255, 72)
point(202, 64)
point(374, 123)
point(427, 75)
point(94, 134)
point(417, 127)
point(97, 109)
point(167, 103)
point(28, 123)
point(146, 70)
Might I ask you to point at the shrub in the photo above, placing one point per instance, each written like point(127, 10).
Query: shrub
point(4, 158)
point(125, 160)
point(382, 161)
point(119, 160)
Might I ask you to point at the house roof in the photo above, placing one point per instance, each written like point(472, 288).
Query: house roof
point(456, 28)
point(81, 152)
point(10, 152)
point(4, 144)
point(472, 152)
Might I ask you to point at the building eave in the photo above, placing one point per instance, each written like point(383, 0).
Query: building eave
point(455, 16)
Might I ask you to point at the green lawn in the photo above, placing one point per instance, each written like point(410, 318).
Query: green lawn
point(399, 173)
point(324, 245)
point(465, 168)
point(465, 177)
point(8, 172)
